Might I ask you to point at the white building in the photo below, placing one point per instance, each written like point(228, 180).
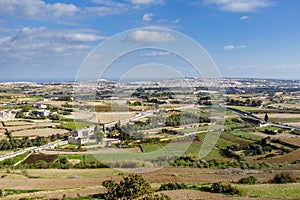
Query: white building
point(42, 113)
point(83, 136)
point(6, 114)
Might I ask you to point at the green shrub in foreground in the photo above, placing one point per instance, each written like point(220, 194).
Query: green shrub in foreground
point(223, 188)
point(248, 180)
point(283, 177)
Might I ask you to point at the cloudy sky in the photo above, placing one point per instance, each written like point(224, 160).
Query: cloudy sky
point(49, 39)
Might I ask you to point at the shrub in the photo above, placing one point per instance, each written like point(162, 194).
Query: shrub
point(130, 187)
point(284, 177)
point(223, 188)
point(173, 186)
point(156, 197)
point(248, 180)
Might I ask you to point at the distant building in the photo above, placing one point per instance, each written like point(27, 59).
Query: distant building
point(41, 113)
point(39, 106)
point(83, 136)
point(6, 114)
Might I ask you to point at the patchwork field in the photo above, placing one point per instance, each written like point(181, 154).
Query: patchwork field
point(290, 157)
point(31, 126)
point(38, 132)
point(294, 141)
point(112, 117)
point(57, 182)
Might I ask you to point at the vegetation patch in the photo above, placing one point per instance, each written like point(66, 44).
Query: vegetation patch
point(36, 157)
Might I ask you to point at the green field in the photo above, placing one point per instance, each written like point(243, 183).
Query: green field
point(75, 125)
point(152, 147)
point(243, 108)
point(283, 191)
point(86, 158)
point(245, 134)
point(284, 120)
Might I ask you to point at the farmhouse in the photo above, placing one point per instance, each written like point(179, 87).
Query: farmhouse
point(42, 113)
point(83, 136)
point(6, 114)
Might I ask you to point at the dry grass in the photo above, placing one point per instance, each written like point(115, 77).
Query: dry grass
point(54, 103)
point(278, 136)
point(58, 194)
point(112, 117)
point(295, 124)
point(293, 141)
point(89, 181)
point(290, 157)
point(17, 123)
point(279, 115)
point(33, 125)
point(49, 179)
point(38, 132)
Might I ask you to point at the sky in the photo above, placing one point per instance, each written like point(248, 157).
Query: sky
point(51, 39)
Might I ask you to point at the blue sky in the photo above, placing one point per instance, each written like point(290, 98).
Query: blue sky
point(48, 40)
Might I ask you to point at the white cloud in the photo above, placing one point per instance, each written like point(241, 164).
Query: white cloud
point(244, 17)
point(105, 10)
point(157, 53)
point(149, 37)
point(36, 8)
point(106, 7)
point(176, 21)
point(240, 5)
point(144, 2)
point(234, 47)
point(40, 41)
point(148, 17)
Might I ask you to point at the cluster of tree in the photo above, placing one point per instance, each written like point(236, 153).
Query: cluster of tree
point(13, 143)
point(247, 102)
point(65, 98)
point(224, 188)
point(251, 180)
point(283, 177)
point(173, 186)
point(131, 187)
point(184, 119)
point(255, 148)
point(188, 161)
point(204, 100)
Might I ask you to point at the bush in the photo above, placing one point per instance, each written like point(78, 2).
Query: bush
point(173, 186)
point(156, 197)
point(222, 188)
point(248, 180)
point(130, 187)
point(284, 177)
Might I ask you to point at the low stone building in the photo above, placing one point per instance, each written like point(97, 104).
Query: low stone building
point(83, 136)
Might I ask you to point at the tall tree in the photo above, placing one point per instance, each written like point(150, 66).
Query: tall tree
point(266, 117)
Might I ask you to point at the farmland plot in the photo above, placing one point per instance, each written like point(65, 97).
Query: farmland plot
point(38, 132)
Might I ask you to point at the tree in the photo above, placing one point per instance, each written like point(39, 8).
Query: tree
point(266, 117)
point(99, 135)
point(248, 180)
point(130, 187)
point(283, 177)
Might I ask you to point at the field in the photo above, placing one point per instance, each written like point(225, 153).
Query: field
point(290, 157)
point(58, 182)
point(75, 125)
point(282, 191)
point(294, 141)
point(38, 132)
point(247, 135)
point(31, 126)
point(113, 117)
point(281, 117)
